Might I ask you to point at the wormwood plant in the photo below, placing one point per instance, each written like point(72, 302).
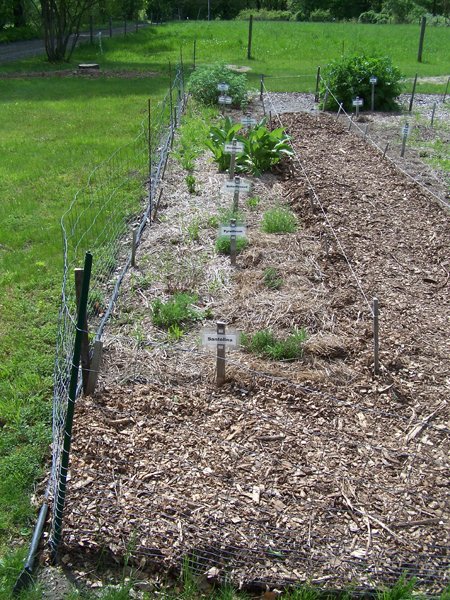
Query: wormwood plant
point(263, 148)
point(177, 311)
point(349, 76)
point(265, 343)
point(279, 220)
point(205, 79)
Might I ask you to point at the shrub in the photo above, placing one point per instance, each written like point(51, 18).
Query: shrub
point(320, 15)
point(371, 16)
point(264, 343)
point(348, 77)
point(223, 244)
point(264, 14)
point(279, 220)
point(262, 148)
point(204, 81)
point(178, 310)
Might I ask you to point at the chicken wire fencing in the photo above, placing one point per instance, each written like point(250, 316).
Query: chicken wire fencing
point(106, 218)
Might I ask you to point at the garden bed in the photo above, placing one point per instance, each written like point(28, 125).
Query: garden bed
point(292, 471)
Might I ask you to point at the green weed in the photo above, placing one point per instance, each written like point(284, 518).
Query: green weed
point(223, 244)
point(179, 310)
point(279, 220)
point(265, 343)
point(253, 202)
point(272, 278)
point(191, 182)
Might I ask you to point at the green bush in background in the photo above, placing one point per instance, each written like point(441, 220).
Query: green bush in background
point(349, 76)
point(205, 79)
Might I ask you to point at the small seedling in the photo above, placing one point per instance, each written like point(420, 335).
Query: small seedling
point(191, 182)
point(279, 220)
point(272, 279)
point(194, 229)
point(223, 244)
point(175, 332)
point(253, 202)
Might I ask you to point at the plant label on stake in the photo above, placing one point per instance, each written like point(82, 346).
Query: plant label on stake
point(233, 242)
point(241, 185)
point(223, 87)
point(221, 339)
point(248, 121)
point(239, 230)
point(357, 102)
point(223, 100)
point(233, 148)
point(373, 82)
point(405, 133)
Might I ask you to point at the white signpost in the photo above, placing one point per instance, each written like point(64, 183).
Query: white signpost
point(223, 87)
point(225, 100)
point(373, 82)
point(237, 230)
point(248, 121)
point(234, 147)
point(232, 186)
point(357, 102)
point(221, 339)
point(405, 133)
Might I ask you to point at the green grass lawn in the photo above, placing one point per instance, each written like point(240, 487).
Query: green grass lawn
point(53, 131)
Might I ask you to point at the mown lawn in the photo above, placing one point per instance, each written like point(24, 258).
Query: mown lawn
point(53, 131)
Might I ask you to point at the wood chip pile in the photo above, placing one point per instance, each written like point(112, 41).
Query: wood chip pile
point(310, 470)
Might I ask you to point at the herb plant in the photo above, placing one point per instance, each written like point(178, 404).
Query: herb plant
point(179, 310)
point(279, 220)
point(264, 343)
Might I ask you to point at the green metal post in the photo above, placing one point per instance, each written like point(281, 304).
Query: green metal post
point(64, 467)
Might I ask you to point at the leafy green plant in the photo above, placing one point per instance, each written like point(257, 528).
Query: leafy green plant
point(205, 79)
point(175, 332)
point(264, 343)
point(191, 135)
point(272, 278)
point(223, 244)
point(190, 182)
point(194, 229)
point(179, 310)
point(279, 220)
point(349, 76)
point(253, 202)
point(263, 148)
point(226, 214)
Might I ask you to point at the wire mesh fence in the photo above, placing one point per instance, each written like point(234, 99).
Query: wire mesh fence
point(106, 217)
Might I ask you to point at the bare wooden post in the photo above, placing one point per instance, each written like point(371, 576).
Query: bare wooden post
point(423, 24)
point(158, 202)
point(385, 150)
point(351, 122)
point(325, 100)
point(250, 32)
point(110, 27)
point(220, 364)
point(195, 53)
point(316, 95)
point(339, 111)
point(95, 367)
point(232, 160)
point(366, 131)
point(261, 87)
point(270, 119)
point(413, 94)
point(85, 360)
point(446, 90)
point(133, 247)
point(376, 347)
point(236, 195)
point(233, 242)
point(432, 114)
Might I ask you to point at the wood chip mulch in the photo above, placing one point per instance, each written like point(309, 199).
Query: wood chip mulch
point(311, 470)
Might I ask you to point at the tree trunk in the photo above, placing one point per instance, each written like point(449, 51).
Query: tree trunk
point(19, 14)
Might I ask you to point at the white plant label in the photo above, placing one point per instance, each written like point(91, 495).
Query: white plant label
point(405, 130)
point(358, 102)
point(373, 80)
point(238, 230)
point(231, 147)
point(230, 339)
point(225, 100)
point(223, 87)
point(248, 121)
point(232, 186)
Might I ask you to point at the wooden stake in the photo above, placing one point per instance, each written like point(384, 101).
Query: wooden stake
point(339, 111)
point(232, 161)
point(446, 90)
point(366, 130)
point(413, 94)
point(233, 242)
point(432, 114)
point(386, 149)
point(85, 359)
point(250, 31)
point(405, 137)
point(376, 348)
point(220, 362)
point(236, 195)
point(133, 247)
point(316, 95)
point(95, 367)
point(351, 122)
point(261, 88)
point(325, 100)
point(423, 24)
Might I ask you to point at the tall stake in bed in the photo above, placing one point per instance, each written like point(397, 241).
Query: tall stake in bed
point(220, 354)
point(316, 95)
point(413, 93)
point(233, 242)
point(85, 360)
point(237, 181)
point(64, 466)
point(150, 191)
point(376, 346)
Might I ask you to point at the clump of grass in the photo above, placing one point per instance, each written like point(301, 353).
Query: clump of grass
point(223, 244)
point(279, 220)
point(264, 343)
point(253, 202)
point(179, 310)
point(272, 278)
